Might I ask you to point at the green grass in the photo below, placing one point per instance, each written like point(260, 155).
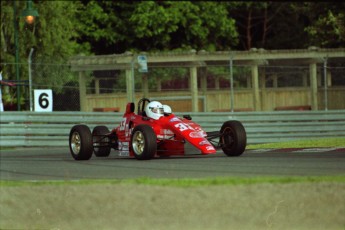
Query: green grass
point(182, 182)
point(312, 143)
point(186, 182)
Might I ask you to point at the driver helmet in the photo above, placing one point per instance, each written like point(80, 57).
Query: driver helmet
point(154, 110)
point(167, 109)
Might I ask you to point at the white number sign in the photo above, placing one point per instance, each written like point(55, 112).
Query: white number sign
point(43, 100)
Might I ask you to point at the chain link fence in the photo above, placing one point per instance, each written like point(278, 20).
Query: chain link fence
point(173, 81)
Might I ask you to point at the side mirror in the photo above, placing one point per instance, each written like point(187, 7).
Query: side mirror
point(188, 117)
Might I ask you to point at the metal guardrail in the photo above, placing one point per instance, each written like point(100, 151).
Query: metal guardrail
point(31, 129)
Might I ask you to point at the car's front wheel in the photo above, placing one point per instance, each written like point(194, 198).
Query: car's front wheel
point(233, 138)
point(80, 142)
point(143, 142)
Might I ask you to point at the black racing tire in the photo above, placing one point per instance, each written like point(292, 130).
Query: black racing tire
point(101, 142)
point(80, 142)
point(143, 142)
point(233, 138)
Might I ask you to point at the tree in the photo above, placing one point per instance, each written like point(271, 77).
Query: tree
point(116, 27)
point(289, 25)
point(105, 25)
point(327, 23)
point(53, 37)
point(264, 24)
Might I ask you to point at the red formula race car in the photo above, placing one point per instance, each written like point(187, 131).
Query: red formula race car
point(155, 131)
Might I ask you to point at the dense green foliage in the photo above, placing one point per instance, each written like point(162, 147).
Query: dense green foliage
point(52, 36)
point(116, 27)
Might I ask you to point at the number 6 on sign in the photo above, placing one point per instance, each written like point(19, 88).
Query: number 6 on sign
point(43, 100)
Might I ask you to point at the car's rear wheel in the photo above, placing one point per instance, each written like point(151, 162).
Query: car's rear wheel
point(101, 142)
point(80, 142)
point(143, 142)
point(233, 138)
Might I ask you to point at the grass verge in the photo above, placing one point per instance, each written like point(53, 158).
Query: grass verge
point(312, 143)
point(183, 182)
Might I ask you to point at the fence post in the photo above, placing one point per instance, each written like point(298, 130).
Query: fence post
point(255, 84)
point(129, 85)
point(231, 83)
point(325, 82)
point(82, 91)
point(194, 88)
point(313, 85)
point(30, 78)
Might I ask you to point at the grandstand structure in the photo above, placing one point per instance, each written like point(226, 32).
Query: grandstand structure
point(312, 58)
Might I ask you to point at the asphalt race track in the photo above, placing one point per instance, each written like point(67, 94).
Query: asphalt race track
point(57, 164)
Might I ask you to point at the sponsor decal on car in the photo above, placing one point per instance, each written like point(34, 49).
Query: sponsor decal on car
point(123, 149)
point(210, 148)
point(174, 119)
point(205, 142)
point(166, 134)
point(196, 134)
